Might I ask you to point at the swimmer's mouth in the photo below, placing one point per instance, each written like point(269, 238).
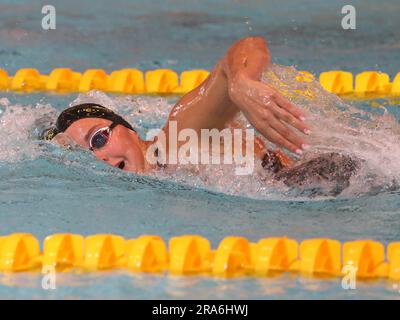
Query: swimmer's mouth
point(121, 165)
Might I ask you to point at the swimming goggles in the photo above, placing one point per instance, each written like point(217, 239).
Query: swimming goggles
point(101, 136)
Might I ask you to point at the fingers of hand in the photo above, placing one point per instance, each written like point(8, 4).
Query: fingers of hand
point(268, 121)
point(280, 140)
point(283, 115)
point(287, 134)
point(282, 102)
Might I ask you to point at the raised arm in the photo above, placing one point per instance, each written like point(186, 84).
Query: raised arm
point(234, 85)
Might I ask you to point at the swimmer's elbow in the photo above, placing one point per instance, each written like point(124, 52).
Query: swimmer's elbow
point(251, 42)
point(254, 48)
point(249, 55)
point(256, 39)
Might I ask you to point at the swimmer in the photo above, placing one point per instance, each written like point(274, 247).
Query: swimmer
point(232, 87)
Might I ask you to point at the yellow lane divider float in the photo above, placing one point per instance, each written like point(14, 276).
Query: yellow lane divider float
point(166, 81)
point(193, 255)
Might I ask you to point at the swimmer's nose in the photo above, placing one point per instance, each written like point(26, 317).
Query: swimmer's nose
point(113, 161)
point(117, 163)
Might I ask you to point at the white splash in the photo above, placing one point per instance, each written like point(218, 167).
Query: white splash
point(16, 125)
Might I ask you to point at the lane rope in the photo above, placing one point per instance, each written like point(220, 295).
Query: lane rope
point(366, 84)
point(193, 255)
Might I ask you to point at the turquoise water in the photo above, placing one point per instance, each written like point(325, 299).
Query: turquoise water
point(45, 189)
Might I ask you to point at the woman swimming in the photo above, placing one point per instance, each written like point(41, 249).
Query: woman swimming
point(232, 87)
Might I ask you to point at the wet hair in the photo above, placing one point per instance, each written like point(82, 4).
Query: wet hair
point(325, 174)
point(82, 111)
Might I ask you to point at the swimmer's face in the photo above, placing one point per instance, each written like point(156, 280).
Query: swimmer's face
point(123, 149)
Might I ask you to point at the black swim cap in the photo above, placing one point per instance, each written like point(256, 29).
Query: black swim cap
point(82, 111)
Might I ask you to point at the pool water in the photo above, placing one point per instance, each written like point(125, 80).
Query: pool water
point(46, 189)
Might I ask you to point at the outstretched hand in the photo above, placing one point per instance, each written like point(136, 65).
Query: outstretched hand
point(269, 112)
